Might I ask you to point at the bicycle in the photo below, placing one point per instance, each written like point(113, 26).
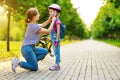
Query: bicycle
point(46, 42)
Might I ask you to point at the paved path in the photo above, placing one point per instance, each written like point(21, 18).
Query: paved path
point(86, 60)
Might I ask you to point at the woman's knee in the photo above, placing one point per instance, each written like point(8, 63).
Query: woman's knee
point(45, 51)
point(41, 50)
point(35, 68)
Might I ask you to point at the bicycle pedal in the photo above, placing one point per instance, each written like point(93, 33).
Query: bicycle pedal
point(51, 55)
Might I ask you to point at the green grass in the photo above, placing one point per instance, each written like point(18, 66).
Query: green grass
point(64, 42)
point(112, 42)
point(16, 46)
point(15, 49)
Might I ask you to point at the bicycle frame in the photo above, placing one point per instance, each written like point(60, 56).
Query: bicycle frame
point(45, 42)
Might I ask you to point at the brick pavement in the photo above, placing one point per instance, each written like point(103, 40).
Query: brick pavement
point(86, 60)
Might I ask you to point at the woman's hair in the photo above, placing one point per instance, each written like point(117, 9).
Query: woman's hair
point(30, 13)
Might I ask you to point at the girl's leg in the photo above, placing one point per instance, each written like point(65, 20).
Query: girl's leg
point(56, 50)
point(56, 66)
point(30, 57)
point(40, 53)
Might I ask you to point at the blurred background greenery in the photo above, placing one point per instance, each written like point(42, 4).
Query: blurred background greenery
point(107, 23)
point(69, 16)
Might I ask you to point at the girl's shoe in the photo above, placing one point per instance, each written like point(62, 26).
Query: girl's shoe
point(55, 67)
point(15, 64)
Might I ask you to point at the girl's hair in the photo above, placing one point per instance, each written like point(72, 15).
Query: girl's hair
point(30, 13)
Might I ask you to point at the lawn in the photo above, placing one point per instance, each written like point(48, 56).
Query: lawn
point(112, 42)
point(15, 49)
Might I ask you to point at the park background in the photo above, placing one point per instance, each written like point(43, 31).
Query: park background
point(105, 27)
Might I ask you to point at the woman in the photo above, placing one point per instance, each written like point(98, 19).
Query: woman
point(30, 52)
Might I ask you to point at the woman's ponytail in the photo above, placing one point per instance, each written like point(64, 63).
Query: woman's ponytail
point(27, 20)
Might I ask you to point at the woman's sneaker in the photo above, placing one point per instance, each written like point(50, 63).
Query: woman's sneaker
point(55, 67)
point(15, 63)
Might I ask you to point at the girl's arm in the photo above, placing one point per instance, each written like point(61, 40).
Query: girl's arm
point(58, 32)
point(46, 31)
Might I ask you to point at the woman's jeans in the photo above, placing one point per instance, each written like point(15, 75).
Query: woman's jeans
point(32, 55)
point(56, 49)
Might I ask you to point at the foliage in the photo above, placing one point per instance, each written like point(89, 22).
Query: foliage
point(107, 23)
point(75, 26)
point(69, 16)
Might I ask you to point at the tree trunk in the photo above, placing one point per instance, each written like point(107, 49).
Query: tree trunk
point(8, 31)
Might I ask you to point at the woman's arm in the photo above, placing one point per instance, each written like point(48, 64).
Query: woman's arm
point(46, 31)
point(45, 23)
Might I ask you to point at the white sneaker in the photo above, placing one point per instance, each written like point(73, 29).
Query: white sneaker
point(15, 63)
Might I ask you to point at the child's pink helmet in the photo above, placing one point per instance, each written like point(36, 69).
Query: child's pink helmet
point(55, 7)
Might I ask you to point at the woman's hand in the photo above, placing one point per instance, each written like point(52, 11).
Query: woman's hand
point(50, 18)
point(53, 18)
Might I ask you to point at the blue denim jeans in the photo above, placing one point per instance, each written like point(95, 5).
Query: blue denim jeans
point(56, 49)
point(32, 55)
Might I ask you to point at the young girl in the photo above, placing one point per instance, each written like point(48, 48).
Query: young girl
point(30, 52)
point(55, 35)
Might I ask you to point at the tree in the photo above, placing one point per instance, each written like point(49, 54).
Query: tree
point(107, 23)
point(10, 6)
point(16, 7)
point(69, 15)
point(75, 26)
